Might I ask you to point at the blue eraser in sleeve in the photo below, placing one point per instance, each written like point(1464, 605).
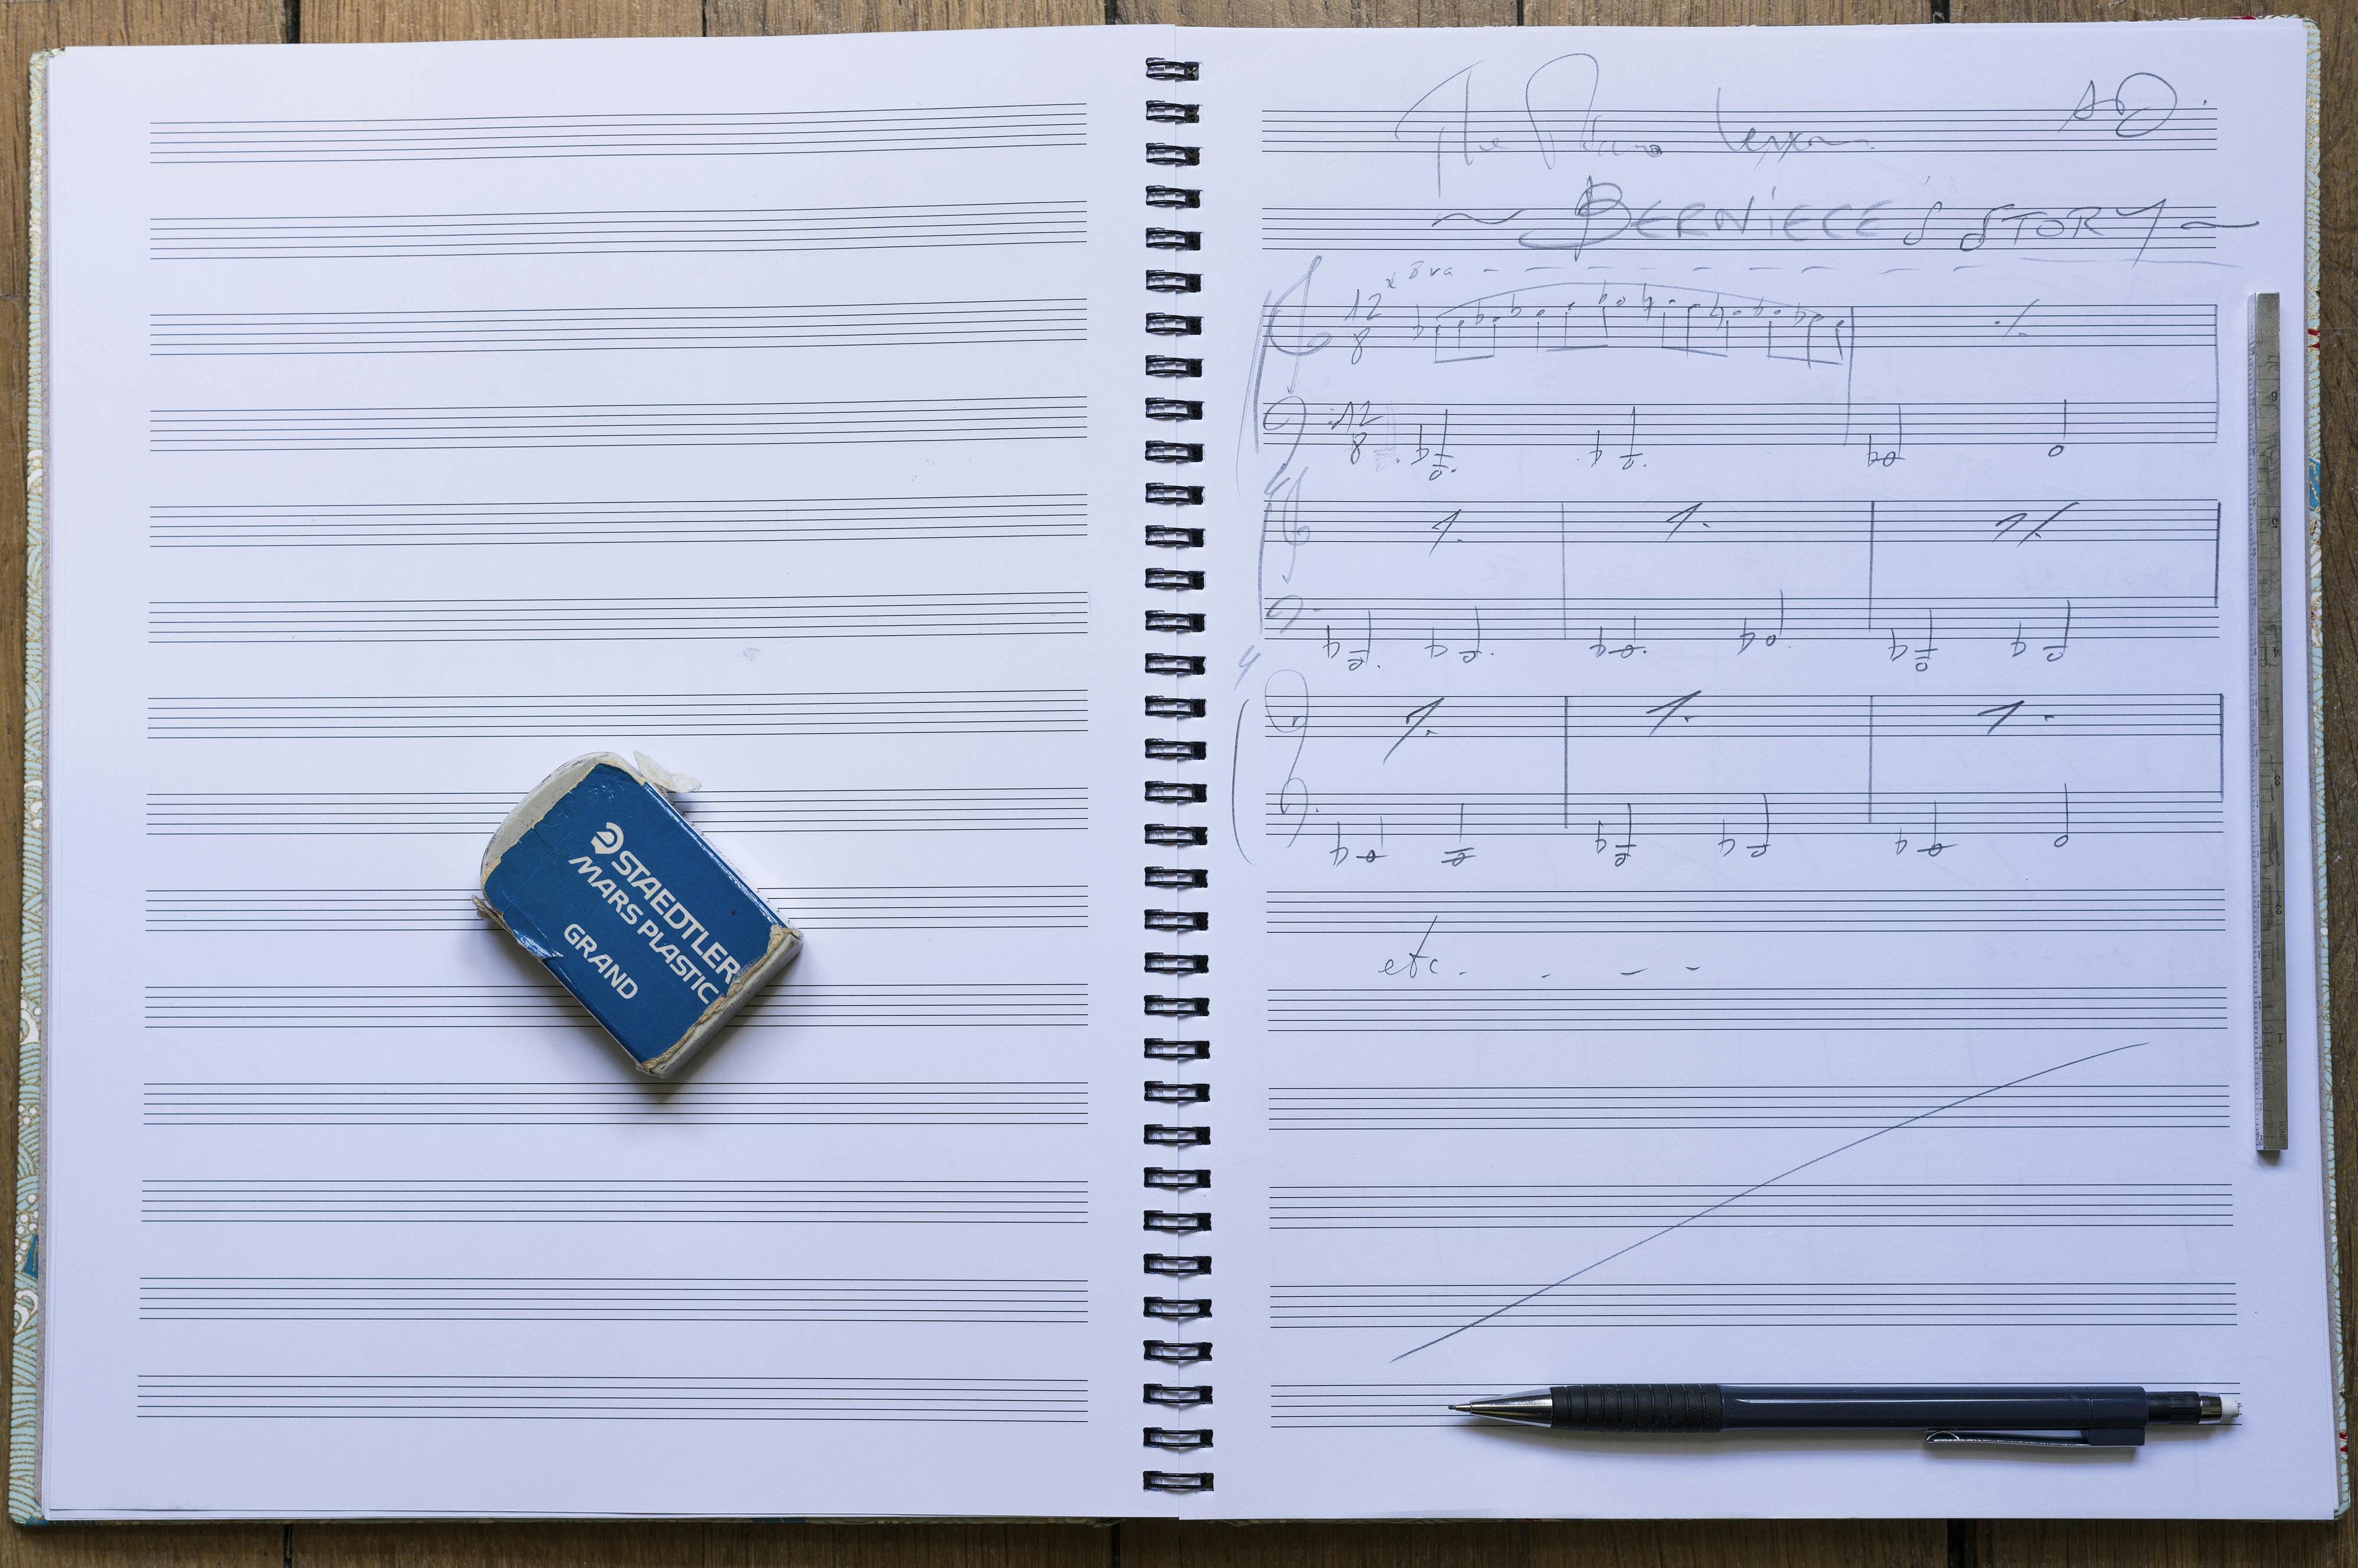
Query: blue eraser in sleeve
point(598, 876)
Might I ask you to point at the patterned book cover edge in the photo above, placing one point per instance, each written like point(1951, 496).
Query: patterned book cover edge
point(25, 1353)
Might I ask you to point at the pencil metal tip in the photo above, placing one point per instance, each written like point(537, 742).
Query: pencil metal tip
point(1535, 1408)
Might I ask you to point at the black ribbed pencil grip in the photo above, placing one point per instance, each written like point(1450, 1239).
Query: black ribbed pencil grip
point(1170, 452)
point(1637, 1407)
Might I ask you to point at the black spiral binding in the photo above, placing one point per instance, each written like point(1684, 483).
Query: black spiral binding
point(1175, 1097)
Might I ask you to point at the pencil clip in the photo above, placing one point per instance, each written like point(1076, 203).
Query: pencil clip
point(2125, 1437)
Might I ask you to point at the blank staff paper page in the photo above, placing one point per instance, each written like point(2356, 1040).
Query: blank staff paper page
point(426, 417)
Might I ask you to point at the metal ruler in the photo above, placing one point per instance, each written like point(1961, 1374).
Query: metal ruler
point(2271, 1124)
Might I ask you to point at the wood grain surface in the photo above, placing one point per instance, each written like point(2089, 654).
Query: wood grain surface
point(31, 25)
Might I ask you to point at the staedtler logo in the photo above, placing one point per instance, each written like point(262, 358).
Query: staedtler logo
point(608, 841)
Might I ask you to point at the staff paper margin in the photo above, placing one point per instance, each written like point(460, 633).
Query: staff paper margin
point(2312, 489)
point(25, 1347)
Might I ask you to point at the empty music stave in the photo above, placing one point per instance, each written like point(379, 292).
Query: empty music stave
point(1326, 912)
point(975, 127)
point(1744, 1108)
point(196, 1103)
point(594, 1201)
point(605, 425)
point(1607, 218)
point(1426, 132)
point(498, 715)
point(975, 906)
point(1717, 1304)
point(475, 813)
point(1625, 432)
point(297, 911)
point(484, 1395)
point(916, 324)
point(1882, 524)
point(1459, 622)
point(656, 232)
point(713, 618)
point(1338, 714)
point(394, 1298)
point(1334, 1407)
point(949, 1004)
point(1749, 820)
point(1567, 1011)
point(817, 520)
point(1559, 317)
point(1786, 1206)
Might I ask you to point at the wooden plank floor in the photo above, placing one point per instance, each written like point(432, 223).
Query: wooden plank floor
point(31, 25)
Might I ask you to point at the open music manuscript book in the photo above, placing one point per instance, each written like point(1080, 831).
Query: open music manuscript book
point(1619, 667)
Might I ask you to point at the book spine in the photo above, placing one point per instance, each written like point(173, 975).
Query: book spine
point(1179, 1212)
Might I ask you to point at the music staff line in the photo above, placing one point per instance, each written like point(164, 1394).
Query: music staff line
point(1618, 822)
point(444, 138)
point(594, 1201)
point(1625, 432)
point(485, 1396)
point(1717, 1304)
point(894, 324)
point(1875, 1206)
point(1750, 1010)
point(1903, 784)
point(2133, 1107)
point(395, 1298)
point(1579, 317)
point(816, 520)
point(979, 808)
point(886, 421)
point(967, 907)
point(1423, 131)
point(1605, 218)
point(2137, 1106)
point(949, 1004)
point(1906, 626)
point(709, 618)
point(1290, 715)
point(1324, 912)
point(493, 715)
point(362, 237)
point(1292, 523)
point(513, 1103)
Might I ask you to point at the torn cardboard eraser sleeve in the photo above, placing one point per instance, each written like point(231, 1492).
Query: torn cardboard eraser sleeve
point(598, 876)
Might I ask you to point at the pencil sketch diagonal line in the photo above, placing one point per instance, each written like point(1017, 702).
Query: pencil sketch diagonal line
point(1739, 1197)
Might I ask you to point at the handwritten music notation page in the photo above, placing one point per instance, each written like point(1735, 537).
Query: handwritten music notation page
point(1732, 623)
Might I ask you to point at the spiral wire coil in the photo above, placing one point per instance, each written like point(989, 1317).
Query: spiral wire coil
point(1178, 1208)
